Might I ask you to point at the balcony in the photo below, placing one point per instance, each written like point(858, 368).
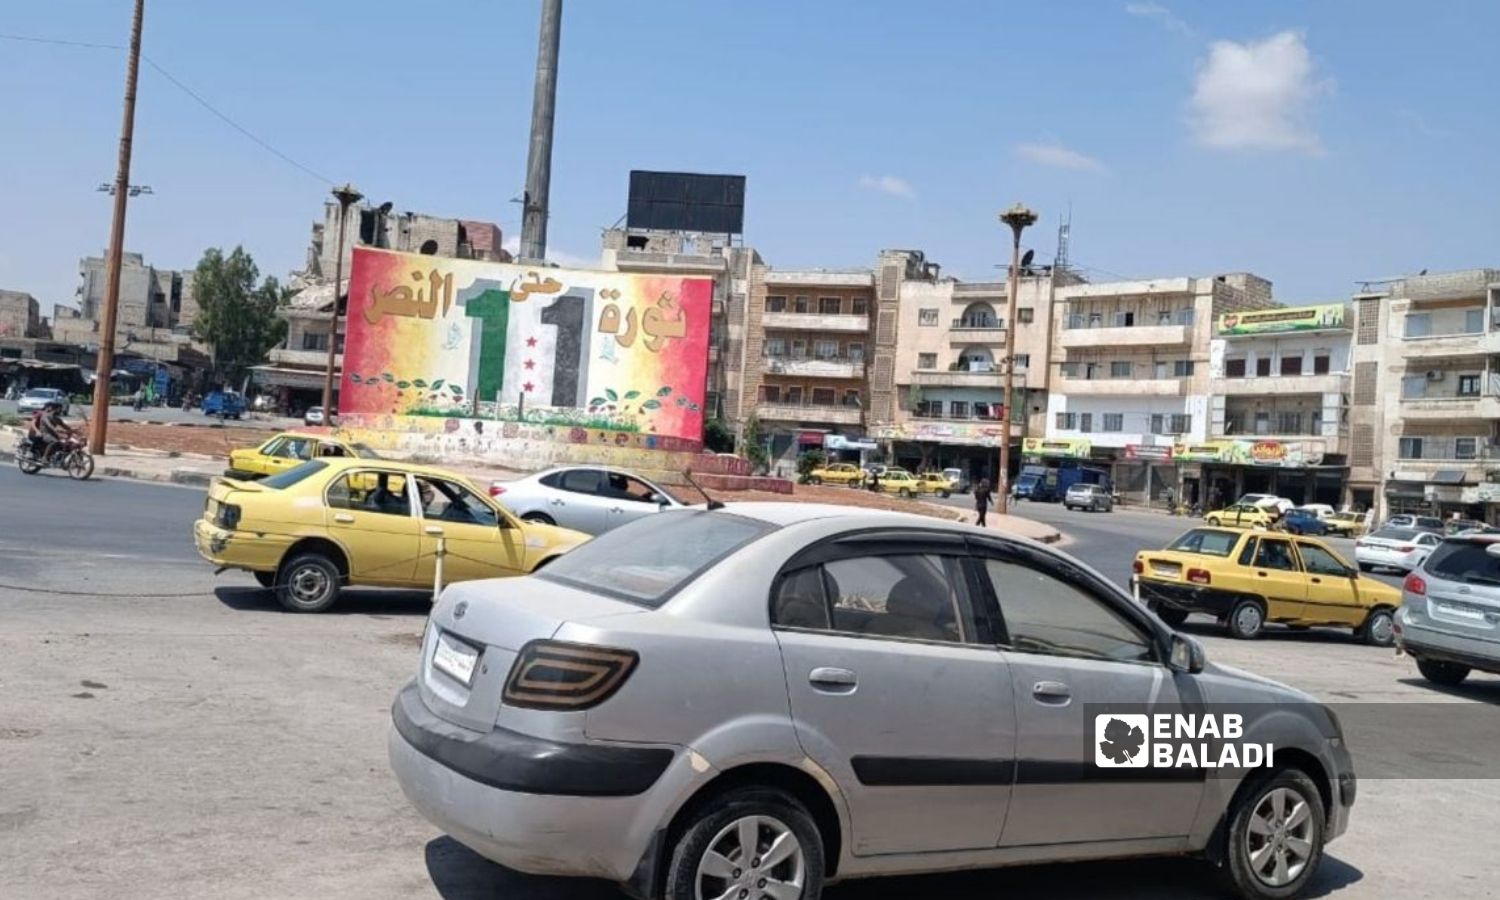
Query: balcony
point(807, 413)
point(1472, 343)
point(1126, 336)
point(285, 357)
point(992, 379)
point(1123, 387)
point(838, 367)
point(793, 321)
point(1430, 409)
point(964, 332)
point(1280, 385)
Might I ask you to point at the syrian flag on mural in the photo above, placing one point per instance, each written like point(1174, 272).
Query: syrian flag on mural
point(530, 348)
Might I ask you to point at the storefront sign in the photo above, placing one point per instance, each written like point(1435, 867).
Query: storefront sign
point(810, 437)
point(1289, 454)
point(1489, 492)
point(1074, 448)
point(839, 442)
point(1148, 452)
point(981, 433)
point(1278, 321)
point(1273, 452)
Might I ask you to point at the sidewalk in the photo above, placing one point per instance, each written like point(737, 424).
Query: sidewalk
point(1026, 528)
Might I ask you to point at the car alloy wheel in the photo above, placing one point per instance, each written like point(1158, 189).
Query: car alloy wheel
point(1279, 841)
point(752, 857)
point(1274, 841)
point(749, 843)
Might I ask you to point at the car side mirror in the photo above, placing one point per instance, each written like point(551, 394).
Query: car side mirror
point(1187, 655)
point(662, 501)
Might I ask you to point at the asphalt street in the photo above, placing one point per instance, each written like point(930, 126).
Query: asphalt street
point(169, 414)
point(167, 732)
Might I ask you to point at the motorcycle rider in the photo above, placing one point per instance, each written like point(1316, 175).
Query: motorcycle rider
point(49, 429)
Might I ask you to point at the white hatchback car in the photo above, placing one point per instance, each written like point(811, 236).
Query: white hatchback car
point(590, 499)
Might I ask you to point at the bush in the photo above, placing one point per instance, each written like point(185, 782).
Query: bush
point(755, 445)
point(717, 437)
point(809, 460)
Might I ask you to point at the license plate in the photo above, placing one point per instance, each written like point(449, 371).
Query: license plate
point(455, 658)
point(1461, 612)
point(1165, 571)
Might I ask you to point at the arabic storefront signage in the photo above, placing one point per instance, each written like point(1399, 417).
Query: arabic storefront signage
point(1488, 492)
point(840, 442)
point(1075, 448)
point(1290, 454)
point(432, 336)
point(1148, 452)
point(1276, 321)
point(984, 434)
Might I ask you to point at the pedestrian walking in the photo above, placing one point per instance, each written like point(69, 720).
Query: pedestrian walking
point(982, 496)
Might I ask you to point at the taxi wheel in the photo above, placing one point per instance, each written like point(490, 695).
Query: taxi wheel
point(1379, 628)
point(905, 492)
point(538, 518)
point(945, 494)
point(1246, 620)
point(309, 583)
point(814, 480)
point(1213, 520)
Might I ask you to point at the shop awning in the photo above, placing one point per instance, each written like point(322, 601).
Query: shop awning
point(1449, 476)
point(1412, 490)
point(277, 376)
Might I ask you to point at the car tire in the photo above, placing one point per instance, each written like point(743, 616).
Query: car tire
point(1447, 674)
point(1366, 567)
point(814, 480)
point(265, 579)
point(1378, 628)
point(1275, 866)
point(905, 492)
point(945, 494)
point(1213, 520)
point(308, 583)
point(713, 834)
point(1246, 620)
point(537, 518)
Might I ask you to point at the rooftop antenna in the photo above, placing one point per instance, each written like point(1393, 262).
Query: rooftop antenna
point(712, 503)
point(1064, 232)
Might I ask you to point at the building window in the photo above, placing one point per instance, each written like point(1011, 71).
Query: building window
point(1234, 368)
point(775, 347)
point(860, 306)
point(1090, 371)
point(1418, 325)
point(958, 409)
point(1465, 448)
point(1262, 423)
point(1068, 369)
point(1410, 448)
point(1096, 319)
point(1468, 385)
point(314, 341)
point(1321, 362)
point(1289, 423)
point(794, 395)
point(851, 398)
point(1159, 369)
point(799, 348)
point(1185, 316)
point(1263, 366)
point(1066, 421)
point(1023, 362)
point(1182, 368)
point(801, 304)
point(825, 349)
point(1114, 421)
point(822, 396)
point(985, 411)
point(1473, 321)
point(1024, 315)
point(1413, 387)
point(771, 393)
point(775, 304)
point(1164, 317)
point(1085, 421)
point(830, 306)
point(1158, 423)
point(856, 352)
point(929, 409)
point(1119, 369)
point(1181, 423)
point(1124, 319)
point(1291, 365)
point(927, 317)
point(924, 360)
point(1317, 422)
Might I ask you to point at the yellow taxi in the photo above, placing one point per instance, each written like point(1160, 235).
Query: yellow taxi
point(1246, 579)
point(901, 482)
point(846, 474)
point(1349, 524)
point(1241, 515)
point(289, 450)
point(337, 522)
point(938, 483)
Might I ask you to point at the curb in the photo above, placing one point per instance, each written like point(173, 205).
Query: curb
point(969, 517)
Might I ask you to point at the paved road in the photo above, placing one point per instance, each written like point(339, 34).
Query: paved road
point(164, 732)
point(170, 414)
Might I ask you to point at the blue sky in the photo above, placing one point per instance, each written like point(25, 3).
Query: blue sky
point(1315, 143)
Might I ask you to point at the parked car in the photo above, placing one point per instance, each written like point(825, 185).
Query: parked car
point(36, 399)
point(224, 404)
point(1450, 610)
point(1270, 501)
point(846, 474)
point(1394, 548)
point(327, 524)
point(960, 480)
point(590, 499)
point(316, 416)
point(288, 450)
point(1049, 484)
point(1348, 524)
point(1459, 526)
point(902, 483)
point(1092, 497)
point(754, 701)
point(1321, 510)
point(1242, 515)
point(1245, 580)
point(1300, 520)
point(1419, 523)
point(936, 483)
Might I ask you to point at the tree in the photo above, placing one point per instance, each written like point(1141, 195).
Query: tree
point(237, 317)
point(755, 444)
point(717, 436)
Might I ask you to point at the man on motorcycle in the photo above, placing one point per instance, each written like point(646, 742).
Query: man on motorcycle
point(48, 429)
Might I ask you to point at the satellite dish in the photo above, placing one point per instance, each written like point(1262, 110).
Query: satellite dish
point(1026, 259)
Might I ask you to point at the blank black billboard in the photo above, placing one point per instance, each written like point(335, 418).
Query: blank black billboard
point(684, 201)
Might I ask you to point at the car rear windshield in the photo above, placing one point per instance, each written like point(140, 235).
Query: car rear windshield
point(1465, 561)
point(649, 560)
point(1207, 542)
point(1395, 534)
point(283, 480)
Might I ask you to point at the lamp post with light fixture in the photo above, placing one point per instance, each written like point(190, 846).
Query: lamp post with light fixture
point(347, 196)
point(1018, 217)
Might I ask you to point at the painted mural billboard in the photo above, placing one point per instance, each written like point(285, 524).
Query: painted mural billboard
point(453, 339)
point(1281, 320)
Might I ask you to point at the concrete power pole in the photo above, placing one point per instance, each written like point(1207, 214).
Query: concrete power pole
point(104, 366)
point(539, 157)
point(1018, 218)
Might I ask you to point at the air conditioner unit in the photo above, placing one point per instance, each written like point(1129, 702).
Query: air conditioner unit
point(1434, 375)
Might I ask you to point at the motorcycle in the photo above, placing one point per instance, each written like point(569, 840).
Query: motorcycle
point(69, 455)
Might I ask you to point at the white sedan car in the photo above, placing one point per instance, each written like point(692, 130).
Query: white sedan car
point(1395, 548)
point(591, 499)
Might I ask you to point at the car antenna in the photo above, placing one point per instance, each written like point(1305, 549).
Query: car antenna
point(712, 503)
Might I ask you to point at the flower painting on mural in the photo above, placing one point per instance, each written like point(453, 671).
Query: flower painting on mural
point(453, 338)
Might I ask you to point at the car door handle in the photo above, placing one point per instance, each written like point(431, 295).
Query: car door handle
point(1260, 574)
point(1051, 692)
point(832, 679)
point(434, 530)
point(1316, 580)
point(345, 518)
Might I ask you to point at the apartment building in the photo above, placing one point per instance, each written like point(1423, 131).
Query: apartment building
point(153, 303)
point(20, 315)
point(1129, 377)
point(1440, 374)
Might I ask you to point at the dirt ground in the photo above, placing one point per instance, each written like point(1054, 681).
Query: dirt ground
point(205, 439)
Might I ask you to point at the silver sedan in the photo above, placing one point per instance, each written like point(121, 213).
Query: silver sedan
point(590, 499)
point(753, 701)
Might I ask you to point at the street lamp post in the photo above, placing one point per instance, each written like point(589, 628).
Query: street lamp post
point(1018, 217)
point(347, 196)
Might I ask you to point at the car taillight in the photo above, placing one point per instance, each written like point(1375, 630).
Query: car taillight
point(1407, 548)
point(229, 516)
point(1137, 567)
point(562, 676)
point(496, 490)
point(1199, 576)
point(1415, 584)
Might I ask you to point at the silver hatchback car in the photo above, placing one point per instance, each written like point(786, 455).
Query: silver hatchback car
point(752, 701)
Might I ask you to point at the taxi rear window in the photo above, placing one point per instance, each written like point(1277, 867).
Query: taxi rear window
point(1206, 541)
point(283, 480)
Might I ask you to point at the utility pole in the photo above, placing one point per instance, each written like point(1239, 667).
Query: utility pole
point(104, 366)
point(347, 196)
point(1018, 217)
point(539, 157)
